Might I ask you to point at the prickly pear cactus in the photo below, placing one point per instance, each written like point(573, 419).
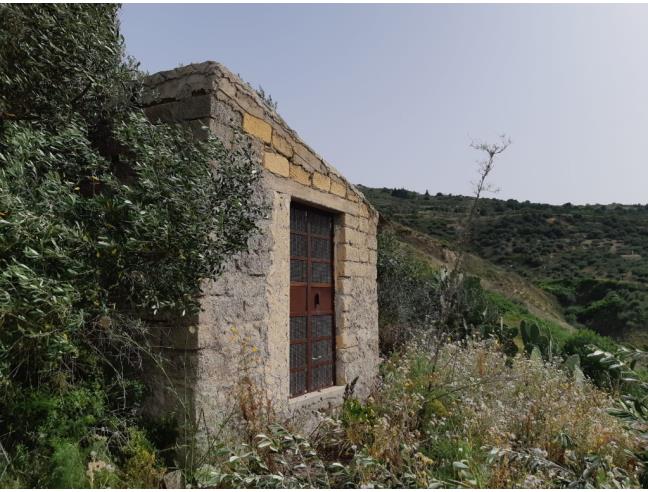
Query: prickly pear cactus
point(572, 362)
point(533, 336)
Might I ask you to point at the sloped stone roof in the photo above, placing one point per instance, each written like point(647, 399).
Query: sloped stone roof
point(210, 90)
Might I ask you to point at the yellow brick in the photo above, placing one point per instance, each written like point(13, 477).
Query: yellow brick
point(352, 196)
point(373, 257)
point(282, 145)
point(353, 269)
point(352, 236)
point(346, 252)
point(372, 242)
point(363, 225)
point(344, 303)
point(299, 174)
point(321, 181)
point(351, 221)
point(338, 187)
point(363, 210)
point(257, 127)
point(276, 163)
point(363, 255)
point(343, 341)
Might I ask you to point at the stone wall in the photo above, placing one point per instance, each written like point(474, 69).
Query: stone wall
point(242, 334)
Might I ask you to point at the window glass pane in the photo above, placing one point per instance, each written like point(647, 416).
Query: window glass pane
point(297, 355)
point(322, 326)
point(297, 383)
point(298, 245)
point(297, 327)
point(297, 271)
point(320, 224)
point(321, 273)
point(298, 219)
point(322, 350)
point(322, 376)
point(321, 248)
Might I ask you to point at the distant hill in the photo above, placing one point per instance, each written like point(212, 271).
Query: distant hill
point(592, 258)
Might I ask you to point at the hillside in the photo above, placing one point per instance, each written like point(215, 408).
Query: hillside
point(505, 285)
point(591, 258)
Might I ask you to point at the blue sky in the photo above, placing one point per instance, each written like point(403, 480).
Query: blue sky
point(392, 95)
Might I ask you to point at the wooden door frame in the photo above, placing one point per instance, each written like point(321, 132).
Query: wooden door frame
point(310, 340)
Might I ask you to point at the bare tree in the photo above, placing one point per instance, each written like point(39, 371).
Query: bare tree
point(451, 292)
point(481, 186)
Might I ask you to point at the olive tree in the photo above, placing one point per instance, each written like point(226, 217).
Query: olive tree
point(102, 215)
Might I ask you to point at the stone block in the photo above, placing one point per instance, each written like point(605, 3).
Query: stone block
point(346, 252)
point(321, 181)
point(309, 157)
point(223, 132)
point(223, 113)
point(300, 175)
point(257, 127)
point(353, 269)
point(249, 103)
point(373, 257)
point(345, 340)
point(364, 255)
point(343, 285)
point(344, 302)
point(190, 108)
point(227, 87)
point(363, 210)
point(338, 188)
point(282, 144)
point(350, 221)
point(353, 237)
point(372, 242)
point(161, 113)
point(276, 163)
point(179, 88)
point(363, 225)
point(352, 196)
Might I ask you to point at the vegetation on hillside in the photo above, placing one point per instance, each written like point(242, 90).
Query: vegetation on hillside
point(104, 218)
point(470, 417)
point(591, 257)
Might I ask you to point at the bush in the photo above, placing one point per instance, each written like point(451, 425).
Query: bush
point(580, 343)
point(104, 218)
point(411, 296)
point(407, 290)
point(68, 467)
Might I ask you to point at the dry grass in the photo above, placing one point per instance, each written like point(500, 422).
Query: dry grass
point(487, 420)
point(467, 417)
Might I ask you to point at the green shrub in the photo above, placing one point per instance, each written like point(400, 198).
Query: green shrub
point(105, 218)
point(406, 292)
point(140, 469)
point(411, 296)
point(580, 343)
point(68, 467)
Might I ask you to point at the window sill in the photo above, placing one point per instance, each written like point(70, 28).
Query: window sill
point(327, 397)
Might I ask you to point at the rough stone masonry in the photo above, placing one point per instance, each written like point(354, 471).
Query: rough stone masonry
point(240, 343)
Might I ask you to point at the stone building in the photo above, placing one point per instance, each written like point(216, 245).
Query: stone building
point(297, 315)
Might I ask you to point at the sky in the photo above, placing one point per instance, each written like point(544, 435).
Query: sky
point(393, 95)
